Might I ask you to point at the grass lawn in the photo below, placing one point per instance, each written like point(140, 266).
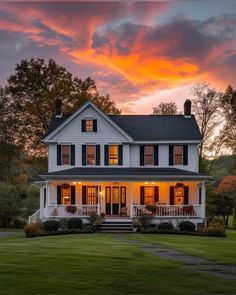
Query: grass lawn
point(222, 250)
point(99, 264)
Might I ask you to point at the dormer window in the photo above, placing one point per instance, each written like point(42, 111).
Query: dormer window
point(89, 125)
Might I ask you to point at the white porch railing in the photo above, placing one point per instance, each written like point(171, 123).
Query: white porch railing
point(60, 211)
point(34, 217)
point(169, 210)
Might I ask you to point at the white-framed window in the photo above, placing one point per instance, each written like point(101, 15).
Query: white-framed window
point(178, 155)
point(65, 195)
point(65, 155)
point(149, 195)
point(148, 155)
point(91, 155)
point(179, 196)
point(89, 125)
point(113, 154)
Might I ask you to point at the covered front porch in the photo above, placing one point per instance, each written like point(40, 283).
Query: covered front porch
point(121, 199)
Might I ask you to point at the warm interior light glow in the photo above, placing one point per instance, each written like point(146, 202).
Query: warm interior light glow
point(74, 182)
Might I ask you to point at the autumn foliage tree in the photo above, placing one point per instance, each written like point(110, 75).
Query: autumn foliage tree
point(34, 88)
point(165, 108)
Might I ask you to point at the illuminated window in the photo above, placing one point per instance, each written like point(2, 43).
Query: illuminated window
point(149, 195)
point(91, 154)
point(91, 195)
point(113, 155)
point(65, 154)
point(65, 195)
point(178, 155)
point(148, 155)
point(179, 196)
point(89, 125)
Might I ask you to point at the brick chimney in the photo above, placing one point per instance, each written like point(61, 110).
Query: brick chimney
point(187, 108)
point(58, 107)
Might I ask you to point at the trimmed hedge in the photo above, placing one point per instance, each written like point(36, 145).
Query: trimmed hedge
point(165, 226)
point(51, 225)
point(74, 223)
point(187, 226)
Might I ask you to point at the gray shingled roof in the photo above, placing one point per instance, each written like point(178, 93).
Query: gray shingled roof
point(125, 173)
point(149, 127)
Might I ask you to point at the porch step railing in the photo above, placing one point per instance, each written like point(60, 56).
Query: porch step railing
point(169, 210)
point(34, 217)
point(80, 210)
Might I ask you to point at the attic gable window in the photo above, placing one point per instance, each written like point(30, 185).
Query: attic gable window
point(89, 125)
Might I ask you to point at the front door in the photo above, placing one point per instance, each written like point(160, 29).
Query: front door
point(115, 199)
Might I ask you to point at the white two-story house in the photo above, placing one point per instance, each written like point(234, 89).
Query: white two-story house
point(118, 164)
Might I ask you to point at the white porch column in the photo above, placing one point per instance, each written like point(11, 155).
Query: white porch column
point(46, 212)
point(131, 199)
point(203, 197)
point(41, 201)
point(99, 198)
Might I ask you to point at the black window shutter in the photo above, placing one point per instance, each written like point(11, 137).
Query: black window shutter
point(97, 154)
point(95, 128)
point(185, 150)
point(171, 155)
point(44, 197)
point(120, 154)
point(186, 193)
point(141, 195)
point(83, 125)
point(106, 155)
point(58, 195)
point(141, 155)
point(200, 196)
point(156, 155)
point(156, 194)
point(59, 155)
point(172, 194)
point(83, 195)
point(72, 158)
point(72, 195)
point(84, 160)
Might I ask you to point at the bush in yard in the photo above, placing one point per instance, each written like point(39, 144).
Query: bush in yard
point(74, 223)
point(143, 220)
point(95, 219)
point(19, 222)
point(215, 231)
point(187, 226)
point(33, 230)
point(51, 225)
point(165, 226)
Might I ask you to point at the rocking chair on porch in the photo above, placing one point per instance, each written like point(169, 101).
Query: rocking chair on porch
point(123, 211)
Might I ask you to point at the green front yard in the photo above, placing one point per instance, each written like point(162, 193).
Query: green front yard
point(104, 264)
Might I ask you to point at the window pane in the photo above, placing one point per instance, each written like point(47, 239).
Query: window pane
point(178, 154)
point(91, 154)
point(148, 155)
point(179, 196)
point(65, 196)
point(89, 125)
point(91, 195)
point(113, 154)
point(149, 195)
point(65, 155)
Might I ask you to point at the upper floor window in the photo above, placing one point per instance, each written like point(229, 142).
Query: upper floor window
point(113, 155)
point(148, 155)
point(178, 155)
point(89, 125)
point(91, 154)
point(65, 154)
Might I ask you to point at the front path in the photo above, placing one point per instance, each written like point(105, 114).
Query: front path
point(193, 263)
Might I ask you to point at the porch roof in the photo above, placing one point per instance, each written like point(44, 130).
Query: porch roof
point(140, 174)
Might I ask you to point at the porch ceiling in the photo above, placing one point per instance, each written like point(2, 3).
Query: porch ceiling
point(140, 174)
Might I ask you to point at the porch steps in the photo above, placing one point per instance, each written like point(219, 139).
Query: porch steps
point(116, 226)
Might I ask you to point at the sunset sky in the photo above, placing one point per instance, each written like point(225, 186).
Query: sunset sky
point(140, 53)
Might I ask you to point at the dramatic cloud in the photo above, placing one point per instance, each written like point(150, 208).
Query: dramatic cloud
point(139, 52)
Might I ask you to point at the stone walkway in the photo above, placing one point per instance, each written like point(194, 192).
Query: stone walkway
point(6, 234)
point(193, 263)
